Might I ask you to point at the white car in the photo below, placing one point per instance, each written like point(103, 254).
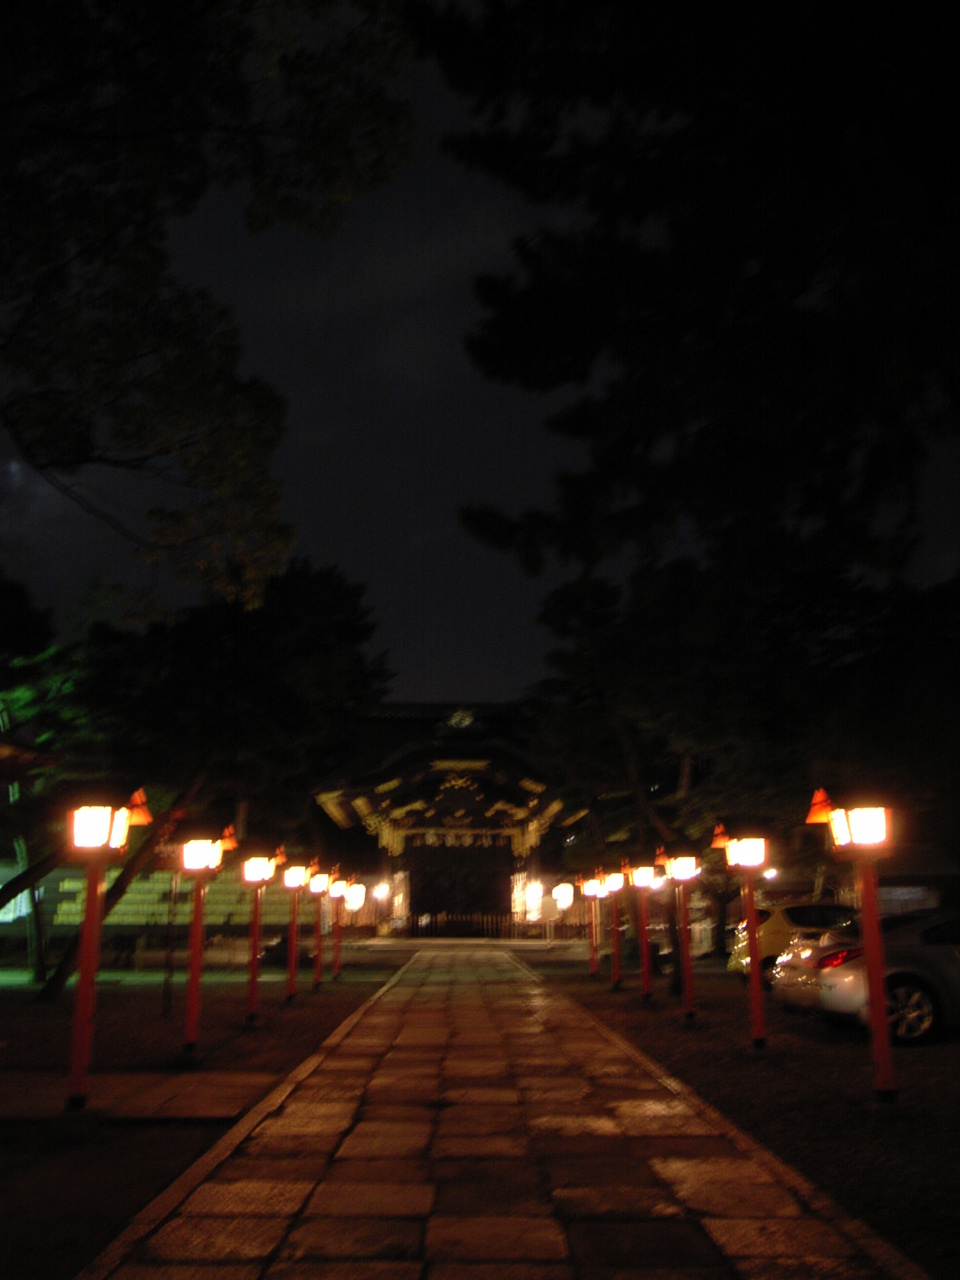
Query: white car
point(922, 971)
point(800, 973)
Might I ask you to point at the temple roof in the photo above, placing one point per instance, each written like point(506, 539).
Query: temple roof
point(451, 779)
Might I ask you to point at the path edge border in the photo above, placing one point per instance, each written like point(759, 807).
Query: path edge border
point(887, 1255)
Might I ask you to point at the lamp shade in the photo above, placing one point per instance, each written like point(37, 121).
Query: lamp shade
point(295, 877)
point(354, 896)
point(98, 827)
point(748, 852)
point(684, 867)
point(860, 827)
point(258, 870)
point(320, 882)
point(201, 855)
point(642, 877)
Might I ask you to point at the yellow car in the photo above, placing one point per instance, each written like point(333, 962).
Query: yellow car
point(777, 925)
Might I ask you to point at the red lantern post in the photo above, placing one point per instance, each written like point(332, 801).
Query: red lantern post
point(294, 878)
point(337, 891)
point(643, 880)
point(747, 855)
point(680, 870)
point(590, 890)
point(98, 835)
point(257, 871)
point(860, 833)
point(318, 886)
point(614, 883)
point(200, 860)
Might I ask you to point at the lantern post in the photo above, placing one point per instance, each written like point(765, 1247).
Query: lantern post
point(642, 878)
point(98, 836)
point(860, 834)
point(294, 878)
point(748, 855)
point(200, 861)
point(319, 883)
point(381, 895)
point(562, 895)
point(614, 883)
point(257, 872)
point(355, 895)
point(680, 870)
point(590, 889)
point(336, 891)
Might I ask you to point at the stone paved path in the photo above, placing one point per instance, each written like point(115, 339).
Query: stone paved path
point(469, 1124)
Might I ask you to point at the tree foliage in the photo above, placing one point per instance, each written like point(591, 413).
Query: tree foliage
point(262, 701)
point(745, 281)
point(118, 117)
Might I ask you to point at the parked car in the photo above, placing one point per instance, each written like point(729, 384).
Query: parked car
point(922, 966)
point(777, 925)
point(797, 976)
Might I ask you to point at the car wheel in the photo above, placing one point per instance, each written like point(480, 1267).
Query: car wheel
point(911, 1010)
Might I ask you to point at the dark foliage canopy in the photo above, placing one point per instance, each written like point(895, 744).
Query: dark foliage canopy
point(261, 701)
point(116, 118)
point(746, 283)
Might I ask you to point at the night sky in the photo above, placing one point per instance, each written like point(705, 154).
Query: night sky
point(390, 429)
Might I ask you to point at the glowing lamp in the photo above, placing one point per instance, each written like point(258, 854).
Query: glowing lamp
point(642, 877)
point(770, 873)
point(683, 868)
point(749, 852)
point(338, 889)
point(591, 888)
point(99, 827)
point(614, 881)
point(295, 877)
point(562, 895)
point(259, 870)
point(863, 827)
point(868, 826)
point(202, 855)
point(602, 889)
point(355, 896)
point(319, 882)
point(381, 891)
point(533, 895)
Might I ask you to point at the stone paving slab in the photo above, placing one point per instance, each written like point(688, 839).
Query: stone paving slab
point(470, 1124)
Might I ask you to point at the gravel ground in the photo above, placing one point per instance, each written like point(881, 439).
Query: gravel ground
point(808, 1098)
point(68, 1186)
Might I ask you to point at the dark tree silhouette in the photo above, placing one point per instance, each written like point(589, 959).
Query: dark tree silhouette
point(118, 117)
point(745, 282)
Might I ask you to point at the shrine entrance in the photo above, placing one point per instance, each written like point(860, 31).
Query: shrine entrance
point(460, 812)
